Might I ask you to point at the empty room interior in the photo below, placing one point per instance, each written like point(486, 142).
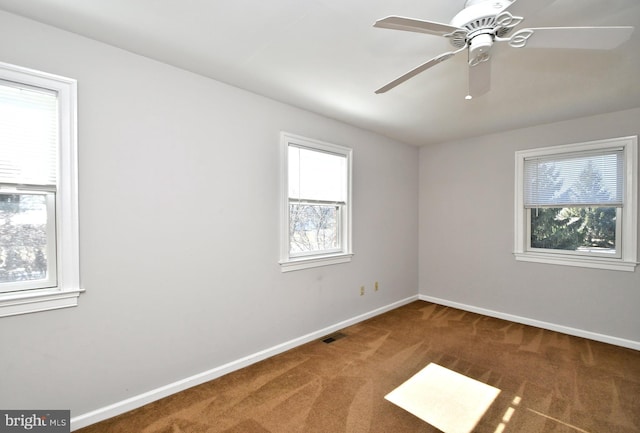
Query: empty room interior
point(320, 216)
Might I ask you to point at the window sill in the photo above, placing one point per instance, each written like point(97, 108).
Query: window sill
point(584, 262)
point(15, 303)
point(299, 263)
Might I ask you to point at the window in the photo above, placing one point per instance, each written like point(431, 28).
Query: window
point(577, 204)
point(316, 203)
point(38, 192)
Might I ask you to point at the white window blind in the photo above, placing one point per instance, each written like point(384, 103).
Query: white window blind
point(29, 135)
point(571, 180)
point(317, 176)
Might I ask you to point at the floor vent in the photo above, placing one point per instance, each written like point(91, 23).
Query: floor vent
point(333, 337)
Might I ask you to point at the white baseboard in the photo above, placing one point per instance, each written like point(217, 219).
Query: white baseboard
point(172, 388)
point(537, 323)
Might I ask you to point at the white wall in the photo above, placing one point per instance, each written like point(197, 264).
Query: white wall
point(466, 237)
point(179, 230)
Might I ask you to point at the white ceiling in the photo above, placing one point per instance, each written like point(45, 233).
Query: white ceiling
point(325, 56)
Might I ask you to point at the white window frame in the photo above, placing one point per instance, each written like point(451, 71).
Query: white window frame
point(67, 290)
point(289, 262)
point(627, 222)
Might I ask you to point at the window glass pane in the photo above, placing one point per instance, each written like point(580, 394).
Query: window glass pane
point(23, 237)
point(317, 175)
point(29, 135)
point(313, 228)
point(590, 179)
point(582, 229)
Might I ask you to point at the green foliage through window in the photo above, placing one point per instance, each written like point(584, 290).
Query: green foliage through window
point(575, 228)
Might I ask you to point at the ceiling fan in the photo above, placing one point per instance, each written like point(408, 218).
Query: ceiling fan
point(483, 22)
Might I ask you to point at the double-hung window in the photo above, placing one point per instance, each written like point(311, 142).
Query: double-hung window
point(577, 204)
point(38, 192)
point(316, 203)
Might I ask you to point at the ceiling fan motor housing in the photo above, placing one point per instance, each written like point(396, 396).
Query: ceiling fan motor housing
point(479, 17)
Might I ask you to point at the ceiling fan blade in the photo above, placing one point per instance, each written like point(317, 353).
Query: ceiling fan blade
point(592, 38)
point(525, 8)
point(413, 25)
point(412, 73)
point(479, 79)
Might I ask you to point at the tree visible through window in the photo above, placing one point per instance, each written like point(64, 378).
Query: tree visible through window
point(313, 227)
point(586, 228)
point(39, 252)
point(576, 204)
point(316, 203)
point(29, 141)
point(23, 236)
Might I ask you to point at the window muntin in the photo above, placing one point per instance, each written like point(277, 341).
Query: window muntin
point(576, 204)
point(316, 210)
point(39, 254)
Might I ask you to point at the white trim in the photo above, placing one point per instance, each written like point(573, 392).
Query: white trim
point(288, 263)
point(628, 245)
point(296, 264)
point(32, 301)
point(67, 222)
point(622, 342)
point(577, 260)
point(139, 400)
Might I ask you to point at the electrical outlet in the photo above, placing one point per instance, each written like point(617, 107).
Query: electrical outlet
point(376, 286)
point(361, 290)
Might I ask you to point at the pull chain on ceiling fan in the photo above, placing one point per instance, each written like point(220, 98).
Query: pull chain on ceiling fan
point(483, 22)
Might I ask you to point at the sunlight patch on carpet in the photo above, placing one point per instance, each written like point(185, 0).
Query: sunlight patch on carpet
point(449, 401)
